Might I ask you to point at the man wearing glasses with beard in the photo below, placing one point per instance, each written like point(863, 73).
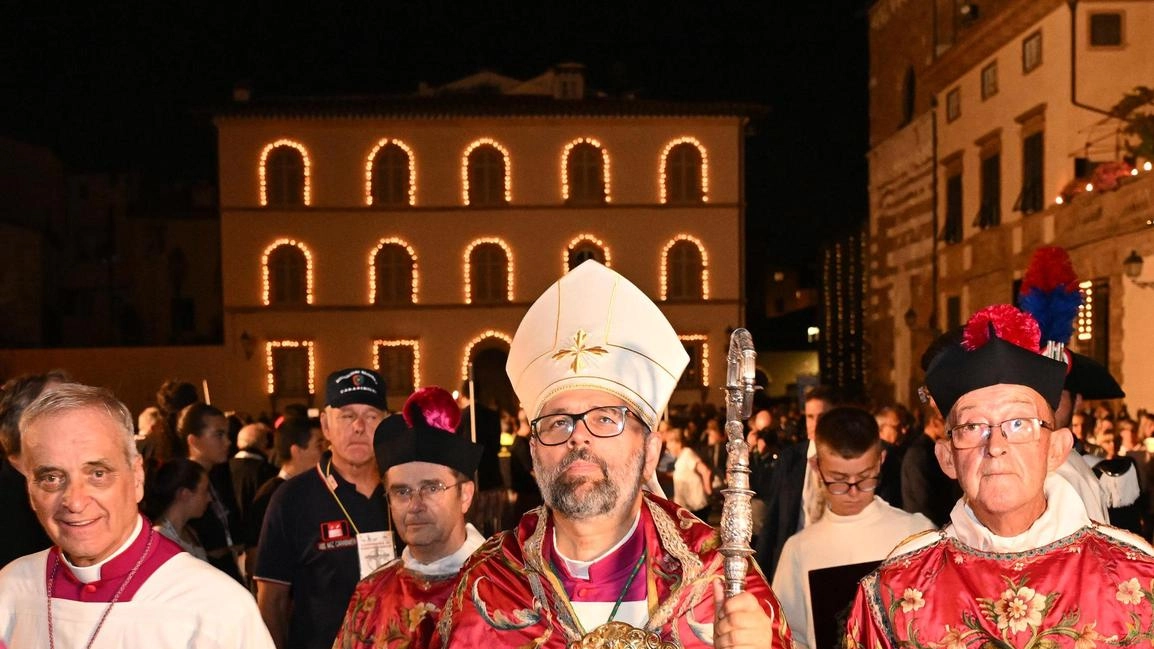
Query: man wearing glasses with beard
point(603, 563)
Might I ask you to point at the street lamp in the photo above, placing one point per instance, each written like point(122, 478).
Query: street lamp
point(247, 344)
point(1132, 268)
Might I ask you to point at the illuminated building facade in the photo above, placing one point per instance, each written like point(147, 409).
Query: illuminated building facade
point(413, 233)
point(989, 130)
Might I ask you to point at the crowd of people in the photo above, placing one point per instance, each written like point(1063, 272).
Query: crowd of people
point(587, 518)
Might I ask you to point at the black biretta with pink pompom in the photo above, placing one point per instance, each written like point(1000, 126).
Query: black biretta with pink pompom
point(423, 432)
point(1000, 344)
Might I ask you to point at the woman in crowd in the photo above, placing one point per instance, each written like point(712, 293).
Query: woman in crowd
point(205, 430)
point(178, 492)
point(692, 479)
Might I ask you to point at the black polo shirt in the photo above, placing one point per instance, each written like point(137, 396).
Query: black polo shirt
point(308, 543)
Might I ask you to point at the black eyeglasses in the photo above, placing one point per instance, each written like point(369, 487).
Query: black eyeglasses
point(841, 487)
point(1021, 430)
point(602, 421)
point(402, 496)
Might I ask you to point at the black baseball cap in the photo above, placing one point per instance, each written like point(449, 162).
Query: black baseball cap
point(355, 385)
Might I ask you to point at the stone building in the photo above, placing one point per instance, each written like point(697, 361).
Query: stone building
point(988, 123)
point(412, 233)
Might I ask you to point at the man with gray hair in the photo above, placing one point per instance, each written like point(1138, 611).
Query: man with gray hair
point(109, 580)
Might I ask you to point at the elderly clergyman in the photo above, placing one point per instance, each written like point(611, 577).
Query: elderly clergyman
point(603, 563)
point(110, 580)
point(1021, 564)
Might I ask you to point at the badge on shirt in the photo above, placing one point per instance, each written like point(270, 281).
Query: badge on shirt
point(335, 531)
point(375, 550)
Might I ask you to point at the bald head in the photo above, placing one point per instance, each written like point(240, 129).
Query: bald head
point(254, 436)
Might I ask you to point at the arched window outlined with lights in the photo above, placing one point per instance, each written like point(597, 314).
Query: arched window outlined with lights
point(585, 173)
point(486, 174)
point(684, 168)
point(394, 277)
point(488, 271)
point(391, 175)
point(582, 248)
point(486, 339)
point(287, 273)
point(285, 175)
point(684, 269)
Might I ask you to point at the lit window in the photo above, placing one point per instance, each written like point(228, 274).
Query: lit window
point(684, 270)
point(290, 368)
point(393, 274)
point(390, 175)
point(585, 173)
point(486, 174)
point(287, 270)
point(284, 175)
point(696, 374)
point(1092, 326)
point(488, 272)
point(684, 173)
point(399, 363)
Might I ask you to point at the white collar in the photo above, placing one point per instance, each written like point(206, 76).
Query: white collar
point(870, 511)
point(447, 565)
point(89, 574)
point(580, 569)
point(1065, 514)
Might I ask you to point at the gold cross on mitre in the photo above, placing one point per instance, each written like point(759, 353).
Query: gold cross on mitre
point(578, 350)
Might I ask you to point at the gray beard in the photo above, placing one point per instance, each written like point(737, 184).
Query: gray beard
point(567, 497)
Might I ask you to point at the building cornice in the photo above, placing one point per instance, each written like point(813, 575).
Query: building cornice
point(978, 43)
point(479, 106)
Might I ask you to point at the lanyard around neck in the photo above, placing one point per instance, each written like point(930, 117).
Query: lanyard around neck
point(329, 481)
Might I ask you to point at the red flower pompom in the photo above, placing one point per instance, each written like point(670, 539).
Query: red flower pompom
point(432, 406)
point(1009, 323)
point(1049, 268)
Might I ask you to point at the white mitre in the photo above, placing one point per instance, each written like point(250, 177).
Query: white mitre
point(593, 329)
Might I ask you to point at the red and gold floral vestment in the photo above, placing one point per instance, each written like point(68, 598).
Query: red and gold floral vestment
point(509, 596)
point(1066, 582)
point(394, 607)
point(398, 604)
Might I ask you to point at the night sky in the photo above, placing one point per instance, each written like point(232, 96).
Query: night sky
point(130, 86)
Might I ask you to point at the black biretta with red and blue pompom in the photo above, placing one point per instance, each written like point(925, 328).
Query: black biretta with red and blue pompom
point(1000, 345)
point(1050, 294)
point(423, 432)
